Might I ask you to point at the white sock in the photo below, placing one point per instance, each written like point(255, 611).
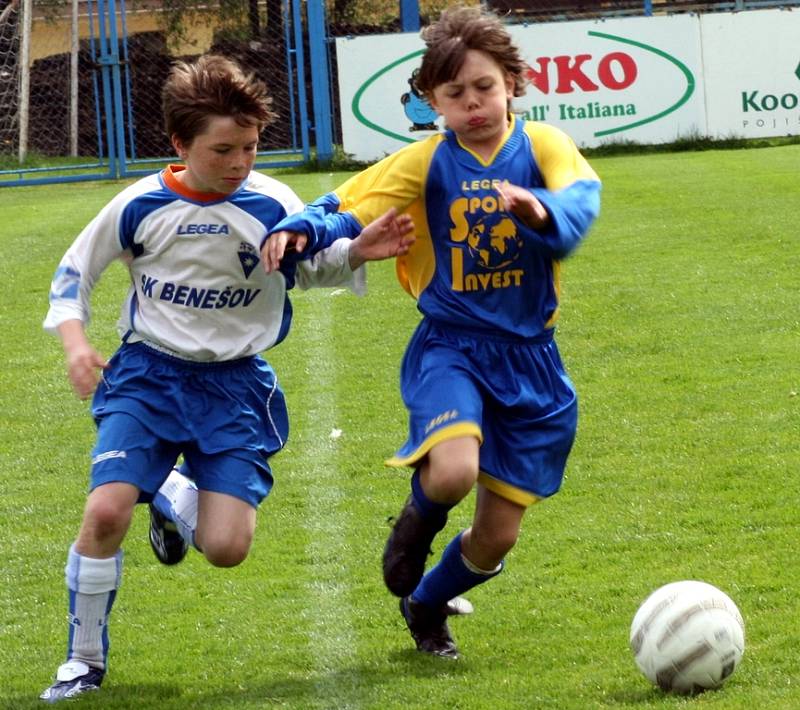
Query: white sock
point(92, 585)
point(177, 499)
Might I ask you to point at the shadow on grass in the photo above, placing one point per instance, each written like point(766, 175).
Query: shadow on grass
point(644, 697)
point(357, 685)
point(111, 695)
point(320, 690)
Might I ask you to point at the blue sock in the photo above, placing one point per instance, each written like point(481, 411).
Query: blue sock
point(450, 577)
point(435, 512)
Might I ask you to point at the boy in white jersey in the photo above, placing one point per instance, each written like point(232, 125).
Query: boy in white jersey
point(188, 379)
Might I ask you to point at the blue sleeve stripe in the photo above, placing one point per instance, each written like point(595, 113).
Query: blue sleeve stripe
point(66, 284)
point(69, 293)
point(137, 210)
point(268, 211)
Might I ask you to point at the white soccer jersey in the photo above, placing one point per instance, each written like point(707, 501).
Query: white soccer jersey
point(197, 285)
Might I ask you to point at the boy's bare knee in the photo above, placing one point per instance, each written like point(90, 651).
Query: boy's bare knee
point(451, 469)
point(106, 517)
point(453, 482)
point(224, 552)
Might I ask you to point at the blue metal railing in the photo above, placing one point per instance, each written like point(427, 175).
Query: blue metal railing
point(117, 152)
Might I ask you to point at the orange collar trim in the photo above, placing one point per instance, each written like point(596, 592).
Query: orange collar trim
point(173, 183)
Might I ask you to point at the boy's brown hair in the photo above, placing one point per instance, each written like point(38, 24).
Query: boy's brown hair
point(212, 86)
point(458, 30)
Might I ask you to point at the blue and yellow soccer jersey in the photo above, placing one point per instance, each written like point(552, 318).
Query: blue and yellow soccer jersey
point(474, 265)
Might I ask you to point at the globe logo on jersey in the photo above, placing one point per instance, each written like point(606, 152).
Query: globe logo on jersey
point(493, 241)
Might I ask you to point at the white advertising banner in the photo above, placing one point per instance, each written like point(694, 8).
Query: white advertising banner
point(634, 80)
point(639, 80)
point(752, 70)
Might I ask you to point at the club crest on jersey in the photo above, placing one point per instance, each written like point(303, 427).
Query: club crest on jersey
point(248, 257)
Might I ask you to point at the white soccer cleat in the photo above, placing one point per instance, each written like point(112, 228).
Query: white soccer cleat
point(459, 606)
point(72, 679)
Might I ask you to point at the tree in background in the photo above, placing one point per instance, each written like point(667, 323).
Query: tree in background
point(242, 20)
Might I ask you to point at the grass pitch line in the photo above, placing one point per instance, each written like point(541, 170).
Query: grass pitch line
point(332, 637)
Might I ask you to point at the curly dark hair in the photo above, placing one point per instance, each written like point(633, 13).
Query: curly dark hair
point(458, 30)
point(212, 86)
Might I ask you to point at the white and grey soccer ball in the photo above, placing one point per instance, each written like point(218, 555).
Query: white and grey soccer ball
point(687, 637)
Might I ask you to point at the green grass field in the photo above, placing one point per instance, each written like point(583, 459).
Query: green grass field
point(681, 329)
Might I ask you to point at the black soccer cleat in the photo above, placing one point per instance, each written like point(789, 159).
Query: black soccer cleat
point(167, 543)
point(73, 679)
point(428, 627)
point(407, 548)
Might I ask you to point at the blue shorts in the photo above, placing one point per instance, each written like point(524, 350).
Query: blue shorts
point(226, 419)
point(512, 395)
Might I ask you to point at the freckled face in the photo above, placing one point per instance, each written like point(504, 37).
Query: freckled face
point(219, 158)
point(475, 103)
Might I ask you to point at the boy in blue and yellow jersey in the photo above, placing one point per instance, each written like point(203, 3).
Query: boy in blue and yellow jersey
point(188, 379)
point(497, 204)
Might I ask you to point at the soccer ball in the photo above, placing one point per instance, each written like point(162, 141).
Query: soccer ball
point(687, 637)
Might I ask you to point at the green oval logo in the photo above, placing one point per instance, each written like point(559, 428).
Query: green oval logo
point(690, 84)
point(687, 90)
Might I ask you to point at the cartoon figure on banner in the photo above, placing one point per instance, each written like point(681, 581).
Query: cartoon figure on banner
point(417, 108)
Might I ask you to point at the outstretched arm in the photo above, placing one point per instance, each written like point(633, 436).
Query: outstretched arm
point(388, 236)
point(277, 245)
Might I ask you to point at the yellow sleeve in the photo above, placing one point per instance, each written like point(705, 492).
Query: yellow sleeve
point(415, 269)
point(396, 181)
point(557, 156)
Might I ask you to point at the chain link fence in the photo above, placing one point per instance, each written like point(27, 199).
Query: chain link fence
point(59, 104)
point(56, 99)
point(9, 63)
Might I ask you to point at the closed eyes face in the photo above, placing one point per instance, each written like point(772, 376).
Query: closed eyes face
point(475, 102)
point(483, 85)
